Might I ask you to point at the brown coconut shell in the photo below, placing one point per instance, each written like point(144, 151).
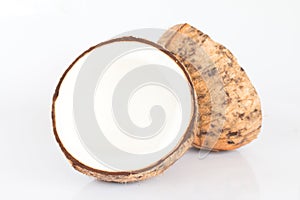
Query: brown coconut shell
point(150, 171)
point(239, 119)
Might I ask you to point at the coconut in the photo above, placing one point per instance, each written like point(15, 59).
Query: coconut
point(106, 112)
point(228, 105)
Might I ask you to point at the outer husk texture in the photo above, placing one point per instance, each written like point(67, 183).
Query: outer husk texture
point(239, 118)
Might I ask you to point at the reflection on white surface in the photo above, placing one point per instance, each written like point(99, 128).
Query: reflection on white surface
point(218, 176)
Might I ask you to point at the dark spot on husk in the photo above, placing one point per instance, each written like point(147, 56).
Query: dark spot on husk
point(230, 142)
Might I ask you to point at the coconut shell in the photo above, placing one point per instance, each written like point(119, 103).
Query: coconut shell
point(156, 168)
point(229, 110)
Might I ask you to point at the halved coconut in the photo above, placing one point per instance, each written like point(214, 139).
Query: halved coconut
point(124, 111)
point(228, 104)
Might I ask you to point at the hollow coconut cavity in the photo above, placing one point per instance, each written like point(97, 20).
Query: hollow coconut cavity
point(124, 111)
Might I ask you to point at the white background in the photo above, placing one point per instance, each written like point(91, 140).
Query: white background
point(39, 39)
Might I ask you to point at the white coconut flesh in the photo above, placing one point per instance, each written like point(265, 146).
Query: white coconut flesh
point(123, 106)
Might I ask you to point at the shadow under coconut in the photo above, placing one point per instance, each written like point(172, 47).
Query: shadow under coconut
point(222, 175)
